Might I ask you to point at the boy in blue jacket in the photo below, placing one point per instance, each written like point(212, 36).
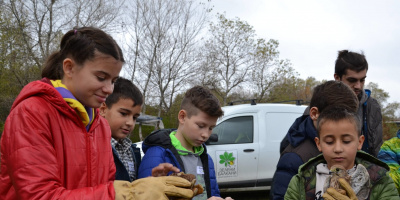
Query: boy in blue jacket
point(184, 148)
point(121, 109)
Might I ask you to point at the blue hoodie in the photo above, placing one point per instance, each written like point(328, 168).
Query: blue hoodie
point(299, 148)
point(159, 149)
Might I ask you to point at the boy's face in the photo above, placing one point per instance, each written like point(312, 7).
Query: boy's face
point(194, 131)
point(339, 142)
point(121, 117)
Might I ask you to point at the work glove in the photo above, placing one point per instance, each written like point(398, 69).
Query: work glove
point(332, 194)
point(153, 188)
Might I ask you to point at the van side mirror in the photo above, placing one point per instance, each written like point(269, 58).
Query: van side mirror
point(213, 138)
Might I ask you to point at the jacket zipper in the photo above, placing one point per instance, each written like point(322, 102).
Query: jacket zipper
point(89, 152)
point(89, 166)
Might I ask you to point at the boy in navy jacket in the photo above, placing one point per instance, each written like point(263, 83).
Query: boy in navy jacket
point(121, 110)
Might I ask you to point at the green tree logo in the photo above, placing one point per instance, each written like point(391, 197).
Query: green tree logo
point(227, 159)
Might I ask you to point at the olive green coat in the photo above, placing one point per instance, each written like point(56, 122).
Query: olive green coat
point(302, 185)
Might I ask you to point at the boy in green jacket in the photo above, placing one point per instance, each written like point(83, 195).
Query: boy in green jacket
point(342, 171)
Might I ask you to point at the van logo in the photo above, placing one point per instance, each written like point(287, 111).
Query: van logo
point(228, 163)
point(227, 159)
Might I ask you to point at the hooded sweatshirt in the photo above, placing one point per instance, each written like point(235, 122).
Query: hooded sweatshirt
point(158, 148)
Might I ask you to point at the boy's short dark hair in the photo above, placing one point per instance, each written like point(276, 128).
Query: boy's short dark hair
point(350, 60)
point(336, 113)
point(124, 89)
point(334, 93)
point(201, 98)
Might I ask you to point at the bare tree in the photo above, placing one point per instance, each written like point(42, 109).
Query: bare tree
point(268, 69)
point(104, 14)
point(230, 46)
point(15, 66)
point(163, 42)
point(206, 73)
point(41, 23)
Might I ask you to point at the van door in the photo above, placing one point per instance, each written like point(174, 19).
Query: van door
point(235, 155)
point(275, 127)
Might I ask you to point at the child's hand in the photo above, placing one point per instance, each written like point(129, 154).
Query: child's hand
point(163, 169)
point(332, 194)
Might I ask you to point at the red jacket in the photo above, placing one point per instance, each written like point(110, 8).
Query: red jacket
point(46, 152)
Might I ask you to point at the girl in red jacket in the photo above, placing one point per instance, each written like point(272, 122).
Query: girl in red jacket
point(55, 145)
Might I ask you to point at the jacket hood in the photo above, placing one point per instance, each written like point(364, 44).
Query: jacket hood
point(364, 97)
point(302, 129)
point(158, 138)
point(44, 89)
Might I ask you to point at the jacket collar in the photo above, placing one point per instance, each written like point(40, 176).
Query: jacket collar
point(376, 168)
point(44, 89)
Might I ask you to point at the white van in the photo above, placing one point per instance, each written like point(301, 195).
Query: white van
point(247, 151)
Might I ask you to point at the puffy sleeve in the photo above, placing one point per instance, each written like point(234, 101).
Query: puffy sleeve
point(384, 190)
point(288, 166)
point(294, 189)
point(154, 156)
point(390, 153)
point(29, 159)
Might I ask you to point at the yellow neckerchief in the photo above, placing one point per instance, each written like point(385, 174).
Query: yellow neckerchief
point(81, 110)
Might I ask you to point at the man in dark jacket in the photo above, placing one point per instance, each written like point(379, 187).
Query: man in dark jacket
point(300, 145)
point(351, 68)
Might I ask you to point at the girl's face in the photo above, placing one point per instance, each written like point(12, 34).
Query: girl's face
point(92, 81)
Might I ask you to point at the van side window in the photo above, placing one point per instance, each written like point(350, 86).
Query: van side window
point(237, 130)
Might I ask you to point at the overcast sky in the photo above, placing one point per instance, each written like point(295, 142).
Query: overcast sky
point(311, 32)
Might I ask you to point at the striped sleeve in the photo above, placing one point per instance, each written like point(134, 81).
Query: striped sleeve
point(390, 154)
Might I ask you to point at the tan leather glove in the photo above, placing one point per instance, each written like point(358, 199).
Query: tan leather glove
point(153, 188)
point(332, 194)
